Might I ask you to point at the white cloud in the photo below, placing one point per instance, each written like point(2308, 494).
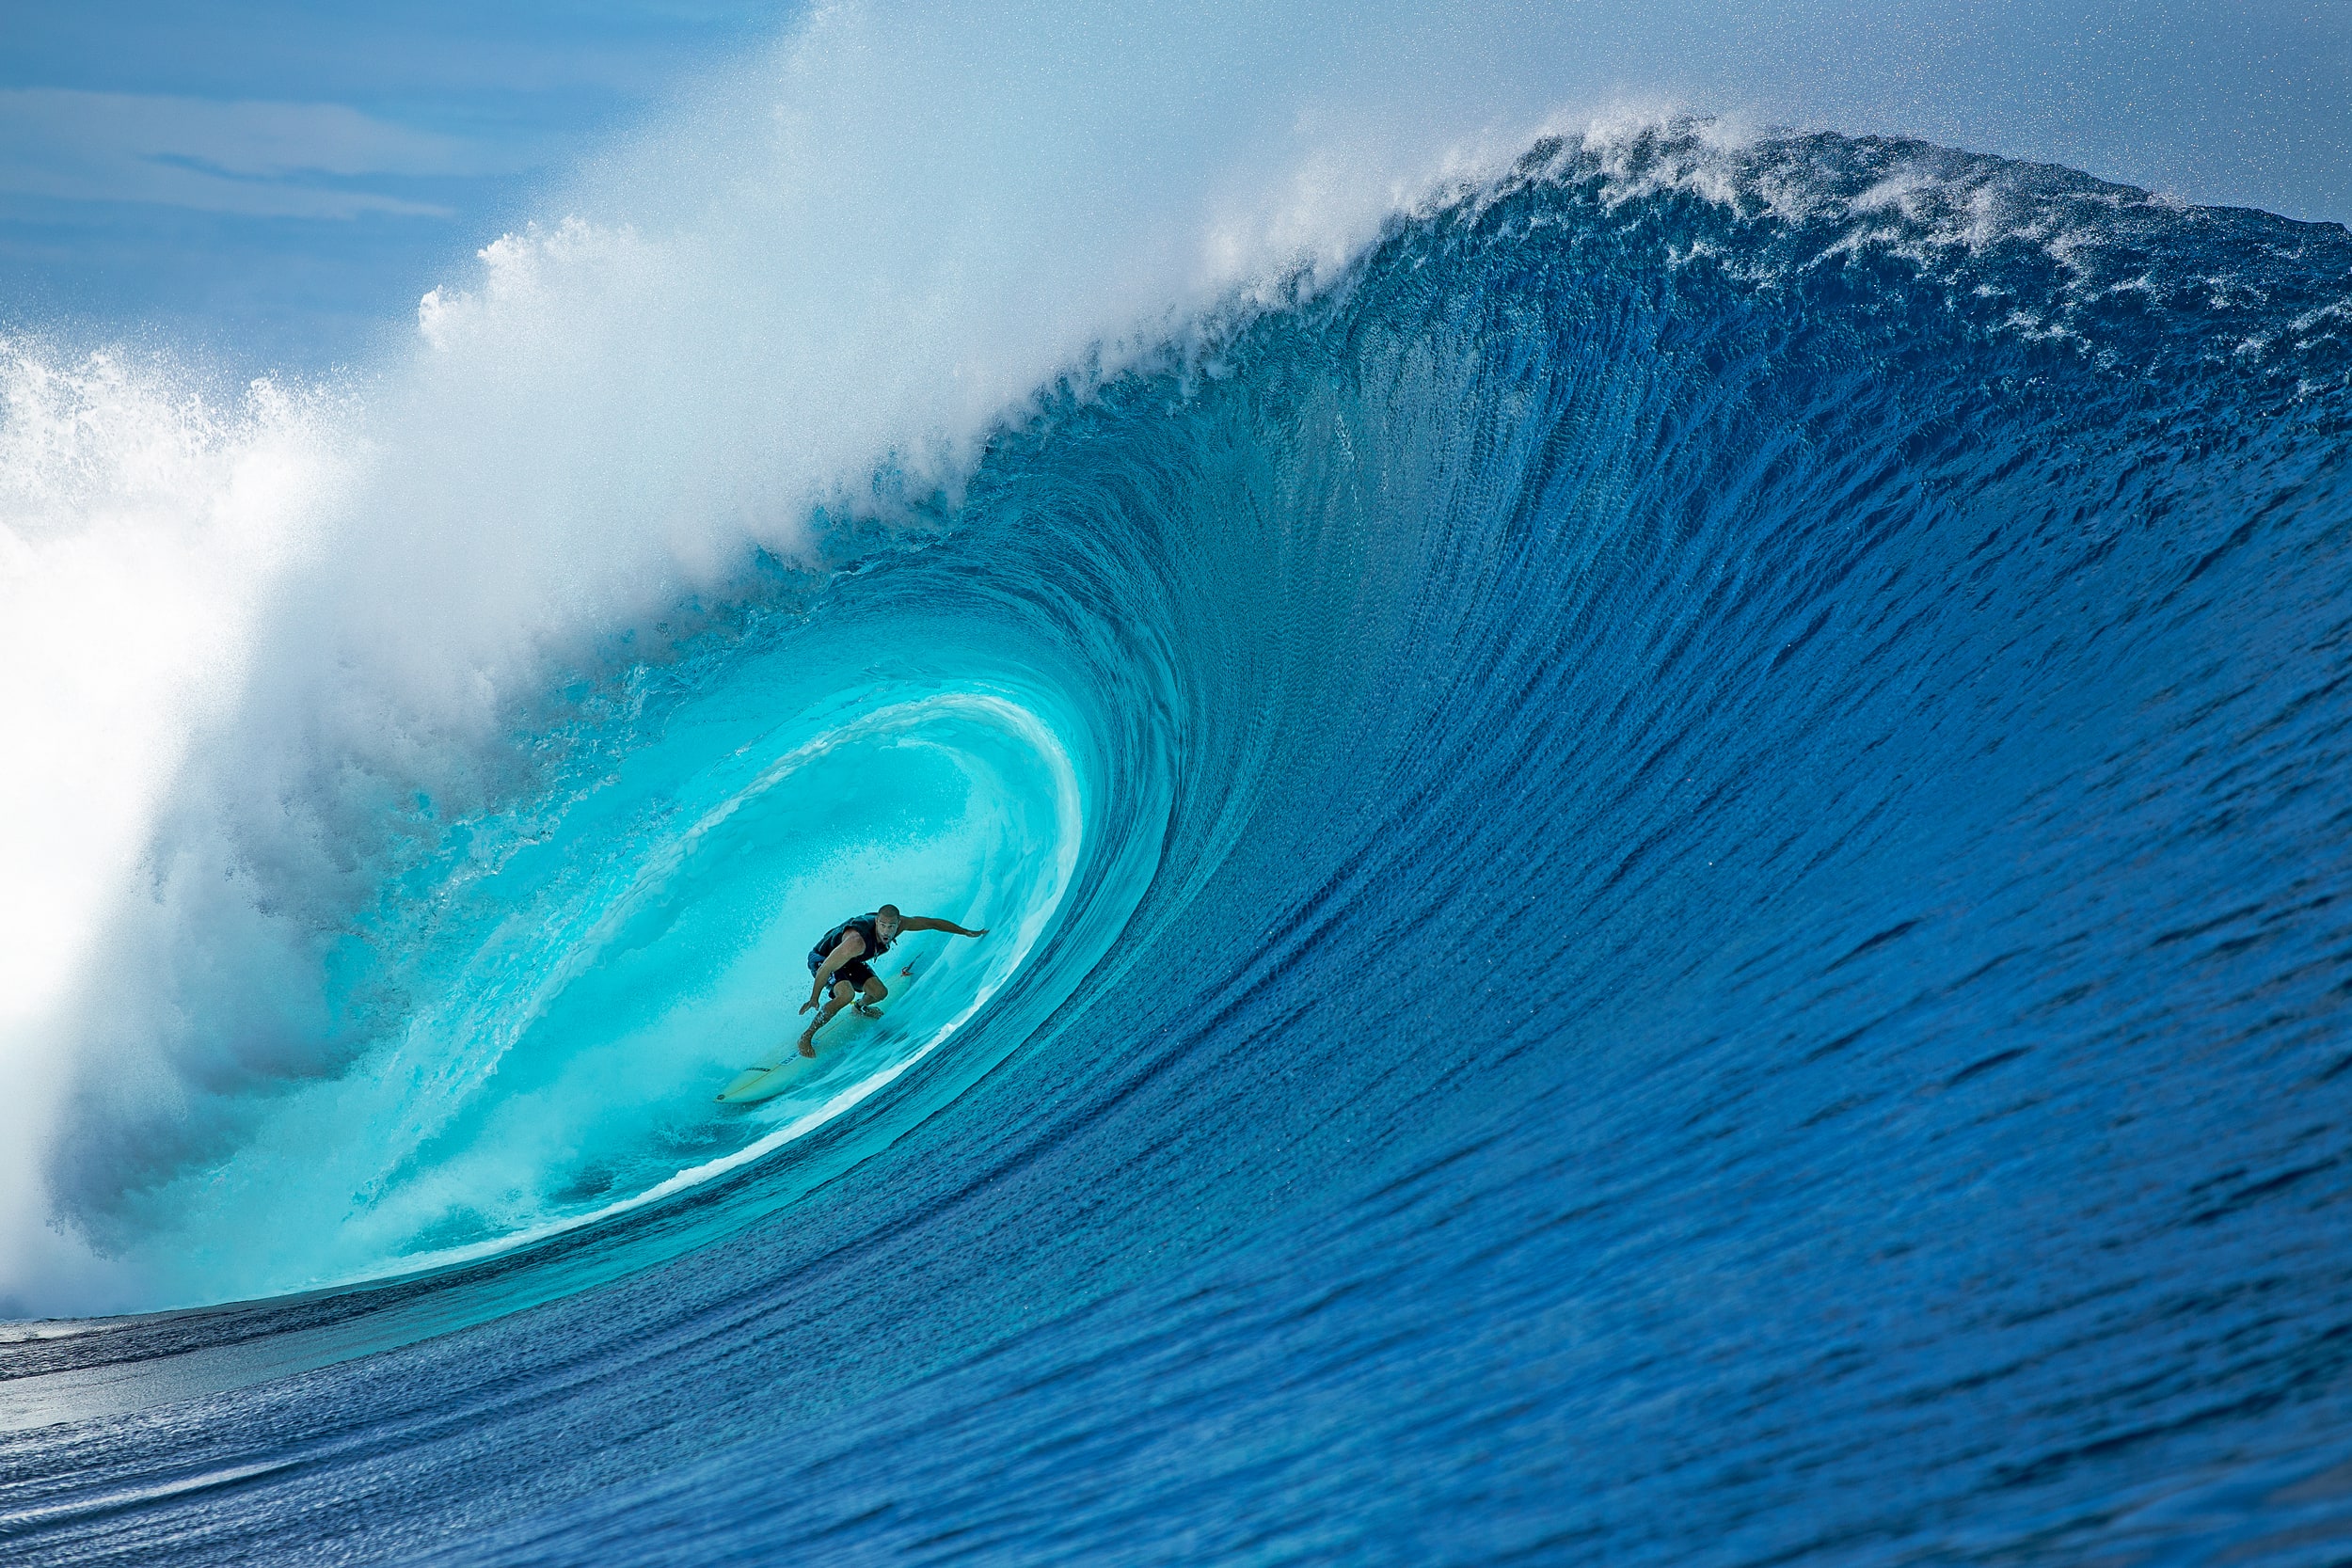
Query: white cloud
point(263, 159)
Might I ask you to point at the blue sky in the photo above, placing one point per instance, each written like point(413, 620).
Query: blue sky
point(273, 184)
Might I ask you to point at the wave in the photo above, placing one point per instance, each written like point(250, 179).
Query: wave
point(329, 621)
point(1666, 866)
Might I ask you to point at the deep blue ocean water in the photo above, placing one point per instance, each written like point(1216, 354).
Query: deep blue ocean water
point(1671, 883)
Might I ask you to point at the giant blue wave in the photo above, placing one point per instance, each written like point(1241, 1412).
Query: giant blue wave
point(1668, 877)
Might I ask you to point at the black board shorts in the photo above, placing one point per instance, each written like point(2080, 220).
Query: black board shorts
point(857, 971)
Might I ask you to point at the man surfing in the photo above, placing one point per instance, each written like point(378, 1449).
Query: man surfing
point(838, 960)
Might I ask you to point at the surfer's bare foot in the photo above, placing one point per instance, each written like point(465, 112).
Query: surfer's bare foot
point(867, 1011)
point(809, 1043)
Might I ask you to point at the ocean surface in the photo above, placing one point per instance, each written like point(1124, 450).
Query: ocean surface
point(1669, 871)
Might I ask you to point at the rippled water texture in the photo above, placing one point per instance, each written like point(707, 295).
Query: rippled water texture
point(1669, 885)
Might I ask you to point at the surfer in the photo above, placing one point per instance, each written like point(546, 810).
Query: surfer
point(838, 961)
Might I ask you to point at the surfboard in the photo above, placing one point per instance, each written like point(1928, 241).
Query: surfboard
point(764, 1079)
point(785, 1065)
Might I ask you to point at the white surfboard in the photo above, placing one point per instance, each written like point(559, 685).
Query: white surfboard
point(766, 1078)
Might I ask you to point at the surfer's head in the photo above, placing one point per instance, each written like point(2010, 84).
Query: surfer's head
point(887, 920)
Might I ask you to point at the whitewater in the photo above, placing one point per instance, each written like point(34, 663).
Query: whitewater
point(1661, 806)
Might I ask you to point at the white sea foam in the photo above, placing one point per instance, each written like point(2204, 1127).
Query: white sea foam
point(141, 522)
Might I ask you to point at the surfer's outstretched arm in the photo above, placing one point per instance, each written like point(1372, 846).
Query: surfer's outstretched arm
point(933, 923)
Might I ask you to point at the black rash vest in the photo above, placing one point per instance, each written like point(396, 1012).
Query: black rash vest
point(864, 925)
